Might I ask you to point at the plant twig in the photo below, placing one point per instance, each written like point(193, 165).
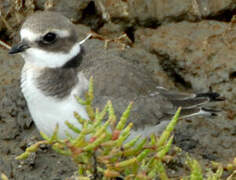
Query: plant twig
point(5, 45)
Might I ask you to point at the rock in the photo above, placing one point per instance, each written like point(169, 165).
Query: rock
point(73, 9)
point(112, 30)
point(5, 7)
point(12, 103)
point(150, 13)
point(82, 11)
point(82, 31)
point(200, 55)
point(213, 8)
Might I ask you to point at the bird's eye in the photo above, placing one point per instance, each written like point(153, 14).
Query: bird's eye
point(49, 38)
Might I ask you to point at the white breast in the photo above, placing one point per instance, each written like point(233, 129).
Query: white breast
point(49, 111)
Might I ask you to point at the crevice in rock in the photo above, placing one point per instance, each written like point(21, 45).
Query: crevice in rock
point(149, 23)
point(91, 17)
point(224, 16)
point(4, 36)
point(130, 33)
point(172, 70)
point(152, 23)
point(122, 21)
point(179, 79)
point(232, 75)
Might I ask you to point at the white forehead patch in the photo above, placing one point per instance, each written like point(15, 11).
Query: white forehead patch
point(32, 36)
point(29, 35)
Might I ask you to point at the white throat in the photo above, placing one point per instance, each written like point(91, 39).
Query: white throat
point(43, 58)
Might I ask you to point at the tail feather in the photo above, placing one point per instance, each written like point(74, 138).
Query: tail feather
point(197, 111)
point(174, 95)
point(192, 104)
point(189, 103)
point(213, 96)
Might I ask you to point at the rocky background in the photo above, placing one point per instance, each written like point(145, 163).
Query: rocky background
point(187, 44)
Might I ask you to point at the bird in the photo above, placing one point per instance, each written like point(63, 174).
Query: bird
point(57, 67)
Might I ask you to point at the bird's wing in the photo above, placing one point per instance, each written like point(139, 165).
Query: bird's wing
point(121, 81)
point(192, 104)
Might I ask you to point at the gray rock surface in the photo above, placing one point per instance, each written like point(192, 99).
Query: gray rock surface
point(73, 9)
point(153, 12)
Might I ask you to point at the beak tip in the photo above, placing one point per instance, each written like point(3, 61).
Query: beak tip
point(20, 47)
point(10, 51)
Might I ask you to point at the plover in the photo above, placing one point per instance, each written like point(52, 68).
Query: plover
point(57, 68)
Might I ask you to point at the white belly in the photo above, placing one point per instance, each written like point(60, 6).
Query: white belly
point(49, 111)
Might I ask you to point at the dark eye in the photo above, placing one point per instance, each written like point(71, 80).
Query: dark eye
point(49, 38)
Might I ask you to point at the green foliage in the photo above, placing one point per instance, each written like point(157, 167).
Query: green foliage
point(196, 170)
point(3, 177)
point(101, 149)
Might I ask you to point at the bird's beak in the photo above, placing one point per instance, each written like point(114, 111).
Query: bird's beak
point(20, 47)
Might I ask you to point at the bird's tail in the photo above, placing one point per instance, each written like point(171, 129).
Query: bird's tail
point(192, 104)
